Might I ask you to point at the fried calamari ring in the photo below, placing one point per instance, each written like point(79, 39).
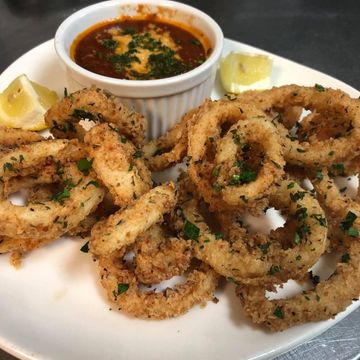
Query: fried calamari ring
point(122, 289)
point(123, 227)
point(323, 101)
point(26, 227)
point(117, 164)
point(27, 159)
point(204, 135)
point(170, 148)
point(98, 106)
point(120, 280)
point(339, 206)
point(14, 137)
point(159, 257)
point(234, 259)
point(239, 181)
point(327, 299)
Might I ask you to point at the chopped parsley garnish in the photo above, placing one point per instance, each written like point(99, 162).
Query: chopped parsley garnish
point(297, 238)
point(191, 231)
point(61, 196)
point(231, 279)
point(279, 313)
point(264, 248)
point(85, 248)
point(320, 219)
point(338, 170)
point(109, 43)
point(138, 154)
point(319, 175)
point(276, 164)
point(216, 171)
point(219, 235)
point(84, 165)
point(157, 152)
point(83, 114)
point(299, 195)
point(345, 258)
point(93, 183)
point(291, 185)
point(121, 288)
point(315, 279)
point(236, 137)
point(319, 88)
point(347, 224)
point(246, 175)
point(123, 139)
point(273, 270)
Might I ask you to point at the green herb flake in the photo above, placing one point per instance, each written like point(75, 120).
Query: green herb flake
point(264, 248)
point(348, 222)
point(84, 165)
point(320, 219)
point(345, 258)
point(109, 43)
point(353, 232)
point(157, 152)
point(83, 114)
point(319, 88)
point(291, 185)
point(319, 175)
point(232, 280)
point(276, 164)
point(85, 248)
point(279, 313)
point(297, 238)
point(219, 235)
point(121, 288)
point(138, 154)
point(273, 270)
point(299, 195)
point(93, 183)
point(61, 196)
point(216, 171)
point(191, 231)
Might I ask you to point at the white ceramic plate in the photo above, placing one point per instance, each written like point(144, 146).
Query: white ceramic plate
point(54, 308)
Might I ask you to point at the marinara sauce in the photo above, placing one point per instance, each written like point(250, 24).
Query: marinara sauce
point(139, 49)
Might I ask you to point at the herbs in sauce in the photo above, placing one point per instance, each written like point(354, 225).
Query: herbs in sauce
point(138, 49)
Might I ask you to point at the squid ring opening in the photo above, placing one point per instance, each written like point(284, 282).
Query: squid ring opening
point(236, 176)
point(235, 261)
point(204, 135)
point(328, 298)
point(122, 289)
point(40, 222)
point(325, 102)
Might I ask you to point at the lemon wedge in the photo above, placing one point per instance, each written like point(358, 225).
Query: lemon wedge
point(242, 71)
point(23, 104)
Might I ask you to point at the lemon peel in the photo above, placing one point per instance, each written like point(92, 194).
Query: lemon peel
point(23, 104)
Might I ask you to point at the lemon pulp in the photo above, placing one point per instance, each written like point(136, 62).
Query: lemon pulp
point(240, 71)
point(23, 104)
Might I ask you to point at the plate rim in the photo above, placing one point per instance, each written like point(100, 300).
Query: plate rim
point(25, 354)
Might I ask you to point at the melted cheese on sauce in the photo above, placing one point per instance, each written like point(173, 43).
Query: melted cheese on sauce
point(142, 54)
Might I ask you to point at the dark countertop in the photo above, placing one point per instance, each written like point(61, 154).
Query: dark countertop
point(322, 34)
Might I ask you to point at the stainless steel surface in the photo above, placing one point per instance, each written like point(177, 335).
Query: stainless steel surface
point(322, 34)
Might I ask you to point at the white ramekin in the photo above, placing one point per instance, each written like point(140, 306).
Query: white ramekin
point(161, 101)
